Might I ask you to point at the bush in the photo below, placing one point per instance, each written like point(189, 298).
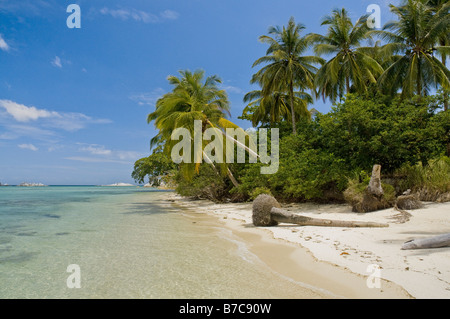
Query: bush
point(358, 197)
point(431, 182)
point(258, 191)
point(207, 184)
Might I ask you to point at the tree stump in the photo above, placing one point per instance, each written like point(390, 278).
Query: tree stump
point(374, 187)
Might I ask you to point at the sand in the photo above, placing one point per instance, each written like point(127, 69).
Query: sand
point(346, 261)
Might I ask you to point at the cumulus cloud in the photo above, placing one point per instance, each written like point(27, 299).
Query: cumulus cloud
point(3, 45)
point(23, 113)
point(30, 147)
point(139, 15)
point(70, 122)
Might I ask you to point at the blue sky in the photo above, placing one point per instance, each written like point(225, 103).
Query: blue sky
point(74, 102)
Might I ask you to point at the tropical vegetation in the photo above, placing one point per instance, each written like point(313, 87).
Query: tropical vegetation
point(389, 89)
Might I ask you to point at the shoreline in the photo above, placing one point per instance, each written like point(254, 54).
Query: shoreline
point(338, 259)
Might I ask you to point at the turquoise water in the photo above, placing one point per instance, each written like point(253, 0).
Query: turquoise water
point(128, 243)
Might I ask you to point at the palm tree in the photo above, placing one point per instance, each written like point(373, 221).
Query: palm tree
point(412, 43)
point(443, 40)
point(275, 107)
point(190, 100)
point(286, 69)
point(349, 65)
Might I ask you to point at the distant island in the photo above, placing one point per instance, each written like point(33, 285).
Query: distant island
point(3, 184)
point(31, 185)
point(119, 185)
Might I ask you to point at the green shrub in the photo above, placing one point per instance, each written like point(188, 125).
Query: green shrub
point(258, 191)
point(429, 181)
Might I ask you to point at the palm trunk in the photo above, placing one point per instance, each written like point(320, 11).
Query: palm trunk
point(229, 173)
point(444, 62)
point(419, 81)
point(291, 97)
point(231, 176)
point(347, 83)
point(282, 216)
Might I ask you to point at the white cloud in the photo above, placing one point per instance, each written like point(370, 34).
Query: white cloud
point(15, 131)
point(148, 98)
point(169, 15)
point(70, 122)
point(3, 45)
point(95, 160)
point(22, 113)
point(57, 62)
point(8, 136)
point(102, 153)
point(96, 150)
point(30, 147)
point(128, 155)
point(139, 15)
point(232, 89)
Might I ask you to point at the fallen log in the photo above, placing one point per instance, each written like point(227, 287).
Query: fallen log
point(429, 242)
point(267, 212)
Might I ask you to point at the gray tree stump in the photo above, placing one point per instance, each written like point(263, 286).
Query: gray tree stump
point(374, 187)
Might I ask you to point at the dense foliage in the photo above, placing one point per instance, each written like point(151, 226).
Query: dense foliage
point(382, 112)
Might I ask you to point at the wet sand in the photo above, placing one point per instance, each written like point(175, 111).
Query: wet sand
point(287, 259)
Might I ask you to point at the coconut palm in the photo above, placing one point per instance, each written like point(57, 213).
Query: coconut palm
point(412, 43)
point(443, 40)
point(193, 99)
point(349, 65)
point(190, 100)
point(286, 68)
point(275, 107)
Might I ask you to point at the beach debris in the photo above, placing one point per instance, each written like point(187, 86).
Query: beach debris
point(409, 202)
point(407, 192)
point(402, 217)
point(374, 187)
point(373, 197)
point(267, 212)
point(428, 242)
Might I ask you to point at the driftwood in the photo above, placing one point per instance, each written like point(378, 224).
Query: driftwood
point(429, 242)
point(267, 212)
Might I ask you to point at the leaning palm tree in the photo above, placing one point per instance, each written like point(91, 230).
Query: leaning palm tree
point(191, 100)
point(275, 107)
point(349, 65)
point(412, 43)
point(286, 69)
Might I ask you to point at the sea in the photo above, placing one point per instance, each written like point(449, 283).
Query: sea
point(85, 242)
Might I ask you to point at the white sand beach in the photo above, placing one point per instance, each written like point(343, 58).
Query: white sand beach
point(423, 273)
